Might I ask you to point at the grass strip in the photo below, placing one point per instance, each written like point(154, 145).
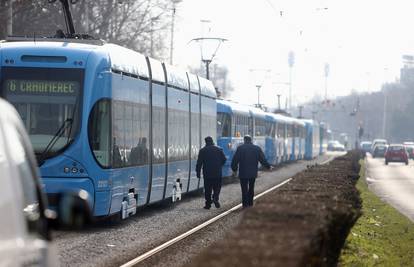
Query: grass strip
point(381, 236)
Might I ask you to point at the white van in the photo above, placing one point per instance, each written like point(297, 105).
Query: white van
point(25, 219)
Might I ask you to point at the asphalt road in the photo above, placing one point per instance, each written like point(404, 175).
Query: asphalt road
point(393, 183)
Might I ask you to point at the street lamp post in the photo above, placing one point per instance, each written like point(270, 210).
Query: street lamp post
point(259, 77)
point(207, 63)
point(208, 47)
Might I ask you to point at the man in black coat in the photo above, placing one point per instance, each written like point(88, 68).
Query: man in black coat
point(211, 158)
point(246, 158)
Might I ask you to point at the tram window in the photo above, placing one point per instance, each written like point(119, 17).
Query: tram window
point(129, 133)
point(281, 130)
point(260, 127)
point(44, 113)
point(158, 134)
point(100, 132)
point(269, 129)
point(118, 135)
point(223, 125)
point(250, 126)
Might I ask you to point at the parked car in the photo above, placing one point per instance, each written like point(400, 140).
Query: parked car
point(25, 221)
point(396, 153)
point(366, 146)
point(379, 151)
point(335, 146)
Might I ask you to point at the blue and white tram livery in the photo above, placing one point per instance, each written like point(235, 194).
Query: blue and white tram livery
point(280, 138)
point(298, 138)
point(260, 130)
point(107, 120)
point(301, 137)
point(312, 147)
point(233, 122)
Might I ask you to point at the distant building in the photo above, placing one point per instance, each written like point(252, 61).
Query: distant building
point(407, 72)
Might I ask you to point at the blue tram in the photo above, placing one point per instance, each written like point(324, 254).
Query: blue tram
point(233, 122)
point(126, 128)
point(312, 140)
point(121, 126)
point(281, 138)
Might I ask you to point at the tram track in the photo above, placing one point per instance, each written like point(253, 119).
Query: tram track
point(115, 244)
point(199, 227)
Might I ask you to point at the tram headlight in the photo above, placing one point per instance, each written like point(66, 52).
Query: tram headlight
point(66, 169)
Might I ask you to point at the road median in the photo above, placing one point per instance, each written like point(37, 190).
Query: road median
point(302, 223)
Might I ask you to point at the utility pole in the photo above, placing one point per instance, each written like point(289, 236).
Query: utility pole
point(10, 17)
point(174, 2)
point(326, 81)
point(291, 62)
point(258, 86)
point(384, 114)
point(278, 102)
point(300, 112)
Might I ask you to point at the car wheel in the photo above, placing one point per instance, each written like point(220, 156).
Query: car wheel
point(406, 163)
point(386, 162)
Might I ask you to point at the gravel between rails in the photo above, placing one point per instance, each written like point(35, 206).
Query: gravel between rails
point(108, 244)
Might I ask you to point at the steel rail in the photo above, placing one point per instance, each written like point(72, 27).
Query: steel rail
point(195, 229)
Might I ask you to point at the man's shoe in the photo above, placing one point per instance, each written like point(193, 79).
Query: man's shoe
point(217, 204)
point(207, 207)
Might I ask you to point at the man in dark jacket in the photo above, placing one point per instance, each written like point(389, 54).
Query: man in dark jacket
point(211, 158)
point(246, 158)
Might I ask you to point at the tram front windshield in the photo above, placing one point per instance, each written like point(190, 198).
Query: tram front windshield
point(48, 101)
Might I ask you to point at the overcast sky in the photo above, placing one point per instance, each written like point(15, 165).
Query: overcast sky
point(362, 41)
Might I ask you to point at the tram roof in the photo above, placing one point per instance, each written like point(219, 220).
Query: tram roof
point(295, 121)
point(258, 113)
point(309, 121)
point(121, 59)
point(233, 108)
point(278, 117)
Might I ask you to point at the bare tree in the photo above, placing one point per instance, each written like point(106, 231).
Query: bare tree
point(131, 23)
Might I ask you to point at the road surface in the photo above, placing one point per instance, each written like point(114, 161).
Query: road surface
point(394, 183)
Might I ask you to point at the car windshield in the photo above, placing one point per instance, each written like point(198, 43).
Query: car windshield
point(47, 101)
point(396, 148)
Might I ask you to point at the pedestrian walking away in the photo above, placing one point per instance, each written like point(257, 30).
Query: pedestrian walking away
point(246, 160)
point(211, 159)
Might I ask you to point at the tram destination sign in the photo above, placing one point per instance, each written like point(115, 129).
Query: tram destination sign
point(38, 87)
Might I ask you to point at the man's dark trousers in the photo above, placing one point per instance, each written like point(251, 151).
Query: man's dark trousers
point(247, 187)
point(212, 185)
